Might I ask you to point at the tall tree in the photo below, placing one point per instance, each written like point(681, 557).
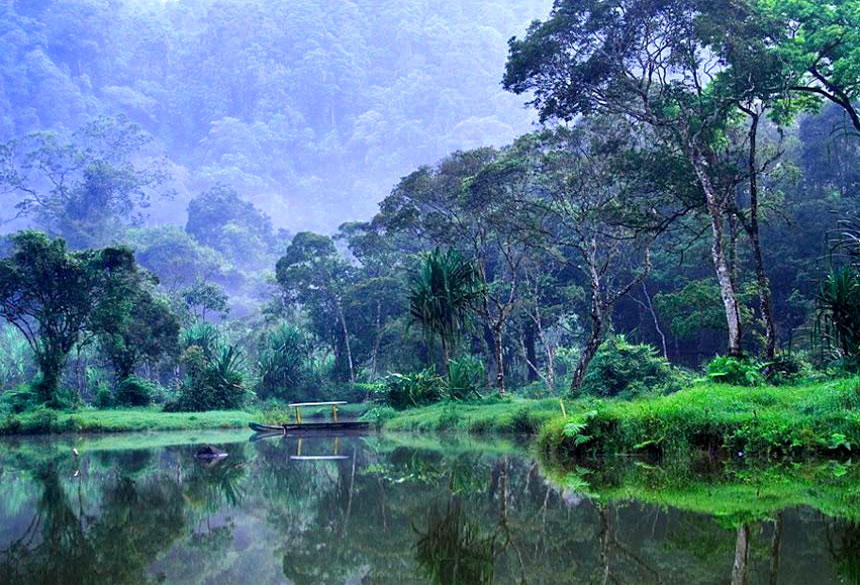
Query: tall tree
point(315, 276)
point(589, 217)
point(49, 294)
point(84, 187)
point(644, 60)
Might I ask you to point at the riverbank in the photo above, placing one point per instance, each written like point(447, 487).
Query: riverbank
point(120, 420)
point(815, 418)
point(44, 421)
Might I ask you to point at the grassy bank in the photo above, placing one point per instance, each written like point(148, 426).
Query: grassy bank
point(507, 415)
point(91, 420)
point(761, 422)
point(44, 421)
point(765, 421)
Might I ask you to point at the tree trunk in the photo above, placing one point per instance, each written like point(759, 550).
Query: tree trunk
point(595, 338)
point(718, 255)
point(531, 354)
point(657, 327)
point(346, 342)
point(374, 356)
point(50, 367)
point(498, 357)
point(446, 358)
point(755, 240)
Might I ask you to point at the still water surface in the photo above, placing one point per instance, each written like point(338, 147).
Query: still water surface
point(393, 510)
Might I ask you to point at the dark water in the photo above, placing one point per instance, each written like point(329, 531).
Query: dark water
point(397, 510)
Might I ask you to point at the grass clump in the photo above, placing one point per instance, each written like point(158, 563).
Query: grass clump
point(760, 421)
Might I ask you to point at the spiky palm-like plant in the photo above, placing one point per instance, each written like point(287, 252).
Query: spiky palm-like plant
point(838, 312)
point(441, 295)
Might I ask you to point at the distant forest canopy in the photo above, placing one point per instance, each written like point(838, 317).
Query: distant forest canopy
point(310, 109)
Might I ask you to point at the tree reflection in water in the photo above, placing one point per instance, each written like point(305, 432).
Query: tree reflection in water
point(396, 511)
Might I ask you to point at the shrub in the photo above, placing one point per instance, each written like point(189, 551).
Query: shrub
point(18, 400)
point(787, 368)
point(215, 383)
point(623, 369)
point(134, 391)
point(838, 315)
point(403, 391)
point(282, 363)
point(466, 378)
point(103, 397)
point(736, 371)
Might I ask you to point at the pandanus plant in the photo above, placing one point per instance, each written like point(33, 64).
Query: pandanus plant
point(441, 295)
point(838, 312)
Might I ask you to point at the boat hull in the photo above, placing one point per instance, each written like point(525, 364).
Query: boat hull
point(310, 427)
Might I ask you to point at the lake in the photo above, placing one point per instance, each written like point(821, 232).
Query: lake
point(403, 509)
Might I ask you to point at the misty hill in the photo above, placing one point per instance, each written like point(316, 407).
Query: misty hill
point(311, 109)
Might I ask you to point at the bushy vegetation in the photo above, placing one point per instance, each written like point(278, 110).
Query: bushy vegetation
point(626, 370)
point(134, 391)
point(736, 371)
point(214, 380)
point(402, 391)
point(746, 422)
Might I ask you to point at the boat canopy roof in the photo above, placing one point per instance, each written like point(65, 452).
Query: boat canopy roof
point(333, 403)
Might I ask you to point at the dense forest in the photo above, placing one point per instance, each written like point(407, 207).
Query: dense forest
point(309, 109)
point(687, 204)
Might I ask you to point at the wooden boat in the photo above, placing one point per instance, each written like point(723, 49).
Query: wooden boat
point(292, 428)
point(300, 427)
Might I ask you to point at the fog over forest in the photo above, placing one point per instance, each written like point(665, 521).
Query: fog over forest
point(312, 110)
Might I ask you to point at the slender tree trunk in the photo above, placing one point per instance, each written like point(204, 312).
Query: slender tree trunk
point(718, 255)
point(653, 313)
point(595, 338)
point(498, 356)
point(531, 355)
point(346, 341)
point(755, 240)
point(377, 340)
point(740, 569)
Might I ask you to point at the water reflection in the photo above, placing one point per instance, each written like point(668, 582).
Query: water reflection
point(409, 510)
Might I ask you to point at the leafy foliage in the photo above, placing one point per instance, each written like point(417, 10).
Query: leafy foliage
point(49, 294)
point(282, 363)
point(408, 390)
point(466, 378)
point(623, 369)
point(838, 313)
point(441, 294)
point(736, 371)
point(134, 391)
point(215, 378)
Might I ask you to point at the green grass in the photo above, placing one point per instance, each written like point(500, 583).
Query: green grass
point(815, 418)
point(762, 421)
point(88, 420)
point(506, 415)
